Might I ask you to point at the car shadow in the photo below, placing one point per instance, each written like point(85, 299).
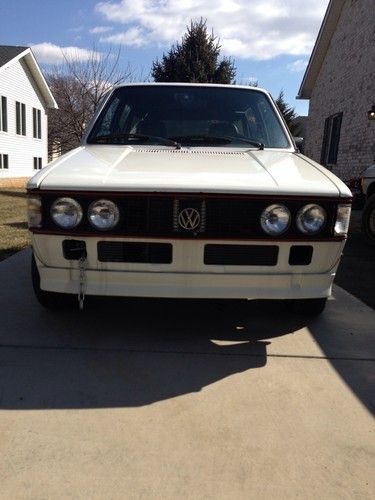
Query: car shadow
point(137, 352)
point(350, 348)
point(134, 353)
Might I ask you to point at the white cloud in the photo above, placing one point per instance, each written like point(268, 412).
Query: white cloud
point(260, 29)
point(133, 36)
point(248, 80)
point(97, 30)
point(298, 66)
point(48, 53)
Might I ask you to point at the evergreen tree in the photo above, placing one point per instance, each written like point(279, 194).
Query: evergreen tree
point(288, 113)
point(195, 59)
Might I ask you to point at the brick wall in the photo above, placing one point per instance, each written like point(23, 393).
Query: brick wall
point(346, 83)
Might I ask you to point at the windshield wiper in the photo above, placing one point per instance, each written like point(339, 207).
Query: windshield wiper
point(210, 139)
point(103, 139)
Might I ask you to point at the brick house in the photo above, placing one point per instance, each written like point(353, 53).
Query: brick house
point(340, 83)
point(24, 102)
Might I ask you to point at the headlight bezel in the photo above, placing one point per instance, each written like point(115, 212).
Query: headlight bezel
point(269, 209)
point(73, 202)
point(302, 211)
point(116, 211)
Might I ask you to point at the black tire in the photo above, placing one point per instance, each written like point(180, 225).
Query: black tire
point(49, 300)
point(308, 307)
point(368, 220)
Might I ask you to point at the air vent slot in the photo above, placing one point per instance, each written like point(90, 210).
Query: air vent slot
point(300, 255)
point(141, 252)
point(241, 255)
point(190, 152)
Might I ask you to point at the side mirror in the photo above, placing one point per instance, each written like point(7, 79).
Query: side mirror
point(298, 141)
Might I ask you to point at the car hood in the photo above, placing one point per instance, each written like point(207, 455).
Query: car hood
point(155, 169)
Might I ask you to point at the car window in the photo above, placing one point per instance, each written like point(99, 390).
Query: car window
point(106, 124)
point(187, 112)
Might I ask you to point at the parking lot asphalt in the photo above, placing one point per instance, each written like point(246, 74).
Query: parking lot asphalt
point(184, 399)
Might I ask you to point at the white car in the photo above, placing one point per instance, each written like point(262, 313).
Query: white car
point(187, 191)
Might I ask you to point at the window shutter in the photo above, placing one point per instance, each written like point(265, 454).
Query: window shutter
point(18, 118)
point(335, 139)
point(39, 114)
point(34, 123)
point(323, 154)
point(23, 107)
point(4, 114)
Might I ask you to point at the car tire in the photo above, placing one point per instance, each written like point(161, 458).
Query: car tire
point(368, 220)
point(49, 300)
point(308, 307)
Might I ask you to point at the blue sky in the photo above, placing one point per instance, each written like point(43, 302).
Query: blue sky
point(270, 40)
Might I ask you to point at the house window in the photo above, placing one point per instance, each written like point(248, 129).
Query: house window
point(37, 163)
point(3, 114)
point(37, 123)
point(20, 118)
point(4, 161)
point(331, 139)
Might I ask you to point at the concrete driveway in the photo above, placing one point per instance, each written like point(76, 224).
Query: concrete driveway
point(166, 399)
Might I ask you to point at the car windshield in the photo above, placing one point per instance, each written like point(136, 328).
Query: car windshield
point(189, 116)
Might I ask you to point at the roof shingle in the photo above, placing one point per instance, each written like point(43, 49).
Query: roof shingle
point(8, 52)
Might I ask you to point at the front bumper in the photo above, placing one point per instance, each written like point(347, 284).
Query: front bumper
point(187, 276)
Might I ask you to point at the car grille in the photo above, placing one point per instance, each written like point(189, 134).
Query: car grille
point(241, 255)
point(220, 217)
point(141, 252)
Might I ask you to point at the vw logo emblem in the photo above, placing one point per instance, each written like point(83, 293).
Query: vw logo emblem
point(189, 218)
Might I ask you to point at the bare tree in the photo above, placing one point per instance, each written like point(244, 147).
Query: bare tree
point(78, 87)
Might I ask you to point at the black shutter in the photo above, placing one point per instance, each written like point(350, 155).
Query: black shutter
point(4, 114)
point(18, 118)
point(323, 154)
point(23, 108)
point(34, 123)
point(335, 139)
point(39, 121)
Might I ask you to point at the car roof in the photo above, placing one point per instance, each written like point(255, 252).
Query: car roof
point(186, 84)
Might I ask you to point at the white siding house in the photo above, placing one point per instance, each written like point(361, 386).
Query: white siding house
point(24, 100)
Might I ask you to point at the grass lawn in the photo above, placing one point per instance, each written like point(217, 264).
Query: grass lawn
point(13, 226)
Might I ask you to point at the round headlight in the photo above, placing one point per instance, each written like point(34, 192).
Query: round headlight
point(66, 212)
point(311, 219)
point(275, 219)
point(103, 214)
